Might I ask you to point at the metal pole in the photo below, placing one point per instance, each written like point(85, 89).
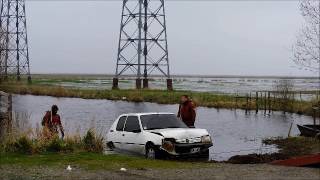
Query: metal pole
point(17, 40)
point(138, 80)
point(145, 28)
point(145, 51)
point(26, 40)
point(319, 47)
point(115, 81)
point(166, 37)
point(1, 41)
point(169, 80)
point(7, 41)
point(120, 36)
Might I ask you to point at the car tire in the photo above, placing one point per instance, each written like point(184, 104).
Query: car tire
point(205, 154)
point(110, 145)
point(152, 152)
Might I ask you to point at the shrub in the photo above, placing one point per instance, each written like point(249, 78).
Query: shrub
point(21, 145)
point(38, 142)
point(93, 143)
point(55, 145)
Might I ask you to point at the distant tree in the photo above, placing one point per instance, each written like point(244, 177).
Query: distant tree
point(306, 50)
point(284, 93)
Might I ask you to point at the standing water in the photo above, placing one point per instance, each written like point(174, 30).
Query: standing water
point(233, 131)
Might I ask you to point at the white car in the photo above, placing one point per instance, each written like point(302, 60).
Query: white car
point(157, 135)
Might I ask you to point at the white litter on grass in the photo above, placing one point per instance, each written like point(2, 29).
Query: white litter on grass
point(123, 169)
point(124, 98)
point(69, 168)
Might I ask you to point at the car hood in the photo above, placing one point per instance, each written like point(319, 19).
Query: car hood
point(180, 133)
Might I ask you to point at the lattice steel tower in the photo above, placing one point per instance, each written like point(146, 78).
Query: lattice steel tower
point(14, 55)
point(143, 47)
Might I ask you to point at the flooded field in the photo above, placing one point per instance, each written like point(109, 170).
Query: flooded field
point(233, 131)
point(229, 85)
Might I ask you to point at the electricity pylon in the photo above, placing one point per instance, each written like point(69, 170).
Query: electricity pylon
point(14, 54)
point(143, 47)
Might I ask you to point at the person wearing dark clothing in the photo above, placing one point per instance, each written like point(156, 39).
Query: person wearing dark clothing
point(52, 122)
point(187, 111)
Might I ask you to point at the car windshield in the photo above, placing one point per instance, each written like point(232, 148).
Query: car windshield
point(161, 121)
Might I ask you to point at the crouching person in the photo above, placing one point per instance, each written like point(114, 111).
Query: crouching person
point(51, 122)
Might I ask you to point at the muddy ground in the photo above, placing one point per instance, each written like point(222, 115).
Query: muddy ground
point(217, 171)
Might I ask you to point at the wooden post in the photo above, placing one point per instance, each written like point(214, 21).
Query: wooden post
point(257, 105)
point(269, 103)
point(300, 96)
point(314, 116)
point(250, 101)
point(290, 128)
point(247, 97)
point(265, 102)
point(292, 103)
point(236, 101)
point(274, 99)
point(9, 128)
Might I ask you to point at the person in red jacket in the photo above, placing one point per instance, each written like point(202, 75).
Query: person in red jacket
point(187, 111)
point(52, 122)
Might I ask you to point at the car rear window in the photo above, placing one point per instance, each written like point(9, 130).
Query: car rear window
point(120, 124)
point(132, 124)
point(161, 121)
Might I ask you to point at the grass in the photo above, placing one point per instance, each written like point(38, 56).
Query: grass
point(93, 161)
point(205, 99)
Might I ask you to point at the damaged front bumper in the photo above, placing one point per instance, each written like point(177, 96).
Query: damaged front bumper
point(187, 149)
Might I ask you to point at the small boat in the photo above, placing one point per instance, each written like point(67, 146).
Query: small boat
point(309, 130)
point(312, 160)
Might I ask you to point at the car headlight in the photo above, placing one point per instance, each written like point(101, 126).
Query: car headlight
point(206, 139)
point(168, 145)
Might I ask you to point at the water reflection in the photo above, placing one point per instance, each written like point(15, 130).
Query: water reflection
point(232, 130)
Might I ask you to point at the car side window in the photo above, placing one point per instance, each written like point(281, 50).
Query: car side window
point(132, 124)
point(121, 122)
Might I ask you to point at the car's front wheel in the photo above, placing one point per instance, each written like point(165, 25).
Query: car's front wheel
point(205, 154)
point(152, 152)
point(110, 145)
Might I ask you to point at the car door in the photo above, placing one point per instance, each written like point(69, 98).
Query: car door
point(116, 135)
point(133, 136)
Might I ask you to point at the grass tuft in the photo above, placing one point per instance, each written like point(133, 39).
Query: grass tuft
point(25, 144)
point(92, 142)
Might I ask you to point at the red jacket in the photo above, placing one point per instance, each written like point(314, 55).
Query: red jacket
point(52, 123)
point(187, 113)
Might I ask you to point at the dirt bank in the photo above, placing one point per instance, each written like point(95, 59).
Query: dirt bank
point(288, 147)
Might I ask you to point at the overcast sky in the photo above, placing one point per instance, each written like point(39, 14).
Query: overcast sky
point(208, 38)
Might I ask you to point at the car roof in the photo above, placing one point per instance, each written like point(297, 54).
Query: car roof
point(141, 114)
